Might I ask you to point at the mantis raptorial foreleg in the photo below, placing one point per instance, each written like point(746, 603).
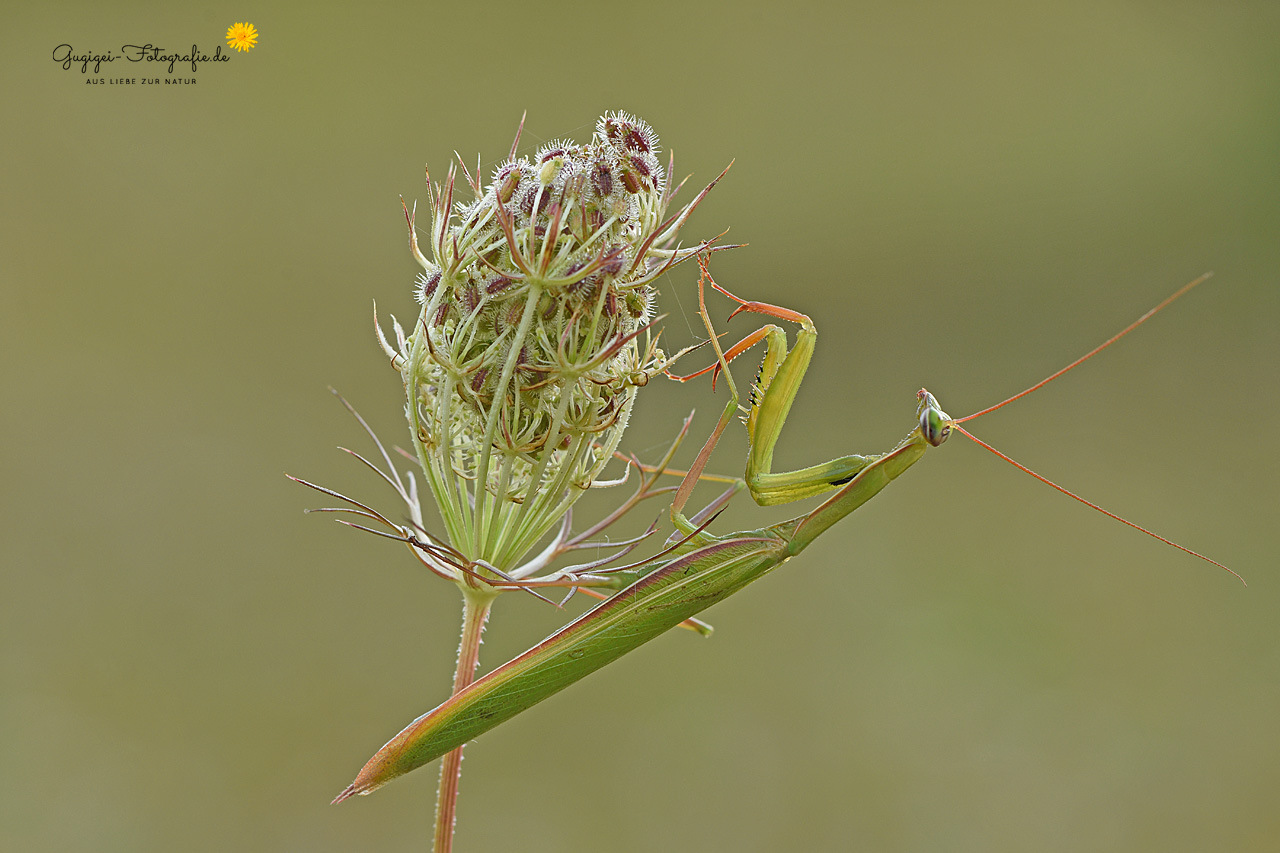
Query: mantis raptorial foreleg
point(769, 402)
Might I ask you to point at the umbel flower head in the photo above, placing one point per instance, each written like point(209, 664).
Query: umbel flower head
point(534, 333)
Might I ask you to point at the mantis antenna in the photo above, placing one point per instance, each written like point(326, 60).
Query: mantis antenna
point(1081, 360)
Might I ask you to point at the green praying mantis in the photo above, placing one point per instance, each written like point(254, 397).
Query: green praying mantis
point(699, 568)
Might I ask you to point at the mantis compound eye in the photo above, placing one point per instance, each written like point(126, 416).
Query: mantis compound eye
point(935, 424)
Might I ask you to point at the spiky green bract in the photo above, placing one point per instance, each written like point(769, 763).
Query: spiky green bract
point(533, 338)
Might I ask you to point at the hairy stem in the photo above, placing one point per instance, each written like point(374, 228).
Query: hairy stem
point(475, 612)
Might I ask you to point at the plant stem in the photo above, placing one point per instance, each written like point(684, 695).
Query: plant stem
point(475, 612)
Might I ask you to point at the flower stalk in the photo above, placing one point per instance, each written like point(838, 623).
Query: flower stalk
point(476, 604)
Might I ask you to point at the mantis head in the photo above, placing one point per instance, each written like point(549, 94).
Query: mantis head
point(935, 424)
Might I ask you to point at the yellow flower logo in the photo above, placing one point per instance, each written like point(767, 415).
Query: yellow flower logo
point(242, 36)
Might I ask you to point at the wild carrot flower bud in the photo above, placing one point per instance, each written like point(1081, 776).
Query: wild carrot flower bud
point(522, 369)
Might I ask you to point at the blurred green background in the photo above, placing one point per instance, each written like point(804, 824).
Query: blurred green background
point(964, 196)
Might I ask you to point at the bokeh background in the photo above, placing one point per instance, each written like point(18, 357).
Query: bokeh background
point(964, 196)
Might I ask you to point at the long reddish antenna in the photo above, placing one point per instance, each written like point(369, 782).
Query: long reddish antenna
point(1090, 354)
point(1071, 494)
point(1127, 329)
